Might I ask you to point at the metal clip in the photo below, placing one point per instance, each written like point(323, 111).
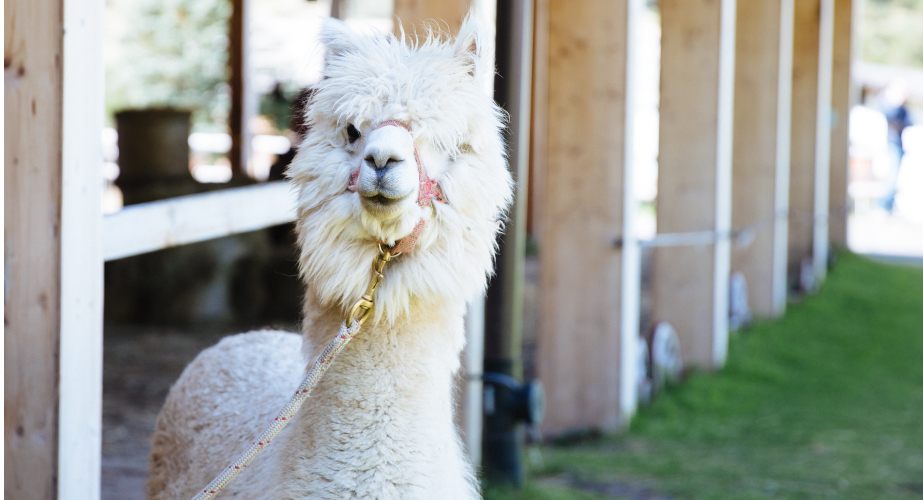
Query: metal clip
point(363, 307)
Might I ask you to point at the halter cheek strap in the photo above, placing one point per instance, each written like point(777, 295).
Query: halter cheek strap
point(429, 191)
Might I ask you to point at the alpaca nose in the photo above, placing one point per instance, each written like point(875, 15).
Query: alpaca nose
point(382, 160)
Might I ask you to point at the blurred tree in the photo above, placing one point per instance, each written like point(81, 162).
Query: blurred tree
point(891, 32)
point(169, 53)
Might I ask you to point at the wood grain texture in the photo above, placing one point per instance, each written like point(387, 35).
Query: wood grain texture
point(804, 131)
point(581, 205)
point(684, 278)
point(32, 232)
point(756, 142)
point(843, 96)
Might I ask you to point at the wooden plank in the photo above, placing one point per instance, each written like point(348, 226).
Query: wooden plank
point(690, 284)
point(761, 154)
point(579, 358)
point(843, 97)
point(32, 249)
point(81, 347)
point(804, 131)
point(147, 227)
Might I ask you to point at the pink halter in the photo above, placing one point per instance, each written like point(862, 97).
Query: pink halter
point(429, 191)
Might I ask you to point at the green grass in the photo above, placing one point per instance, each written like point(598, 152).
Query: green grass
point(824, 403)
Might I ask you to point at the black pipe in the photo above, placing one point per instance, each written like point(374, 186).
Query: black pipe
point(504, 397)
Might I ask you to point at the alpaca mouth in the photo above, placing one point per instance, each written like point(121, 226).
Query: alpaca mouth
point(383, 200)
point(383, 205)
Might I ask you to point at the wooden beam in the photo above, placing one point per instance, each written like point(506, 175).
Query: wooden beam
point(33, 51)
point(147, 227)
point(690, 284)
point(762, 130)
point(580, 348)
point(843, 97)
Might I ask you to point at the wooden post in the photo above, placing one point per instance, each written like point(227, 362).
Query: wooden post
point(53, 300)
point(690, 283)
point(243, 104)
point(448, 13)
point(33, 78)
point(762, 131)
point(810, 166)
point(582, 350)
point(469, 420)
point(843, 97)
point(539, 131)
point(820, 239)
point(804, 129)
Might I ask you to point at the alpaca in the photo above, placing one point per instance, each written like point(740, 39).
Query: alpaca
point(380, 423)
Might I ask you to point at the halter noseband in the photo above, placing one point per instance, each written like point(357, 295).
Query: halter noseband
point(429, 191)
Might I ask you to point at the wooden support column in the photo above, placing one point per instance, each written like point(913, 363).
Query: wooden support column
point(809, 187)
point(449, 13)
point(762, 131)
point(469, 419)
point(33, 76)
point(243, 103)
point(804, 130)
point(690, 283)
point(53, 58)
point(585, 353)
point(844, 97)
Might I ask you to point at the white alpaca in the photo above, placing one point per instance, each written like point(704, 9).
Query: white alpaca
point(380, 423)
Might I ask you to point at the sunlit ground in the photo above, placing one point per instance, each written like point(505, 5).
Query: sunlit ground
point(880, 233)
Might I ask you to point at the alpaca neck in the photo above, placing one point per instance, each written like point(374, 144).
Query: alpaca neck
point(384, 406)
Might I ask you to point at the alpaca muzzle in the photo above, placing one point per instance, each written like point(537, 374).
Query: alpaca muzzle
point(381, 178)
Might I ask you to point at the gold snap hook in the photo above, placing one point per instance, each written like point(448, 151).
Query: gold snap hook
point(363, 307)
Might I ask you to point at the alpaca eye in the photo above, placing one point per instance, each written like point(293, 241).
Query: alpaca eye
point(352, 133)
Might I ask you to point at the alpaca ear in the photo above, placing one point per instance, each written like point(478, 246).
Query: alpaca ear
point(337, 38)
point(472, 46)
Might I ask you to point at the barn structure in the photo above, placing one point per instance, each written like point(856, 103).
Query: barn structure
point(753, 146)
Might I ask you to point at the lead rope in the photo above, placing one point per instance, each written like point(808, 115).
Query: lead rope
point(350, 327)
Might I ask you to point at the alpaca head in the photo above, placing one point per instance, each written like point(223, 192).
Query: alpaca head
point(382, 101)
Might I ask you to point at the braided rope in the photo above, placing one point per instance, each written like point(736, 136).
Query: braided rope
point(288, 411)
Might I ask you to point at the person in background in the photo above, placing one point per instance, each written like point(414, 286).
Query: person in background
point(892, 102)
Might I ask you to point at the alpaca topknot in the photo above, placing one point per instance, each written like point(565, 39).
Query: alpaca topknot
point(435, 85)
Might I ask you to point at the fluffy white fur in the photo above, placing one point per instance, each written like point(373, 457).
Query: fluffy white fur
point(380, 423)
